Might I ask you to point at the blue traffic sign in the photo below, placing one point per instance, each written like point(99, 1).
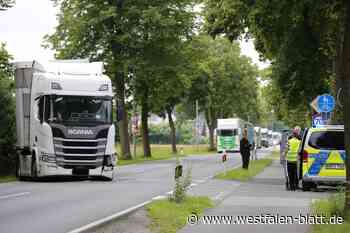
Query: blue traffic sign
point(326, 103)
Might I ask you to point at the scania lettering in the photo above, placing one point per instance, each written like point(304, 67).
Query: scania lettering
point(64, 119)
point(80, 131)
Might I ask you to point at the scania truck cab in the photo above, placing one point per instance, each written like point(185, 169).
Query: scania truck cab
point(64, 119)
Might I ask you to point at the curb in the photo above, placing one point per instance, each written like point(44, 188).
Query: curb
point(108, 219)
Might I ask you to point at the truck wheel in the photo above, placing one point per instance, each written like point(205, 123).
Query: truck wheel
point(18, 171)
point(34, 170)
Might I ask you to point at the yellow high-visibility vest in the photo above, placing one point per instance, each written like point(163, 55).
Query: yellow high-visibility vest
point(293, 149)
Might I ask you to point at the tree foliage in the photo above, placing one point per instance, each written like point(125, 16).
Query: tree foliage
point(299, 37)
point(5, 4)
point(225, 83)
point(139, 41)
point(7, 114)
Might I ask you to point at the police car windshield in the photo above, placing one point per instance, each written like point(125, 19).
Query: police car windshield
point(327, 140)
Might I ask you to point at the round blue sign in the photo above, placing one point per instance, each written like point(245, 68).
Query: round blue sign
point(326, 103)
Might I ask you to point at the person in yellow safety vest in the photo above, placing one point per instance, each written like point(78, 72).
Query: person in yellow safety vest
point(291, 157)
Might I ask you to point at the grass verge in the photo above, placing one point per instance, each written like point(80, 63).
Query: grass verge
point(5, 179)
point(169, 217)
point(333, 206)
point(255, 167)
point(161, 152)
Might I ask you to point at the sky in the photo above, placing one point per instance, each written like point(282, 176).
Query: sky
point(23, 27)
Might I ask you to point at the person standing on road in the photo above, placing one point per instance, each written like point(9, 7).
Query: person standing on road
point(244, 148)
point(291, 157)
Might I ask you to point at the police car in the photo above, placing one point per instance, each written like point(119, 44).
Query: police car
point(321, 157)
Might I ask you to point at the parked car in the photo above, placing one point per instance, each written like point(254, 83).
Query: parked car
point(321, 157)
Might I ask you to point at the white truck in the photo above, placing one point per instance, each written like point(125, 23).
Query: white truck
point(64, 119)
point(229, 132)
point(265, 137)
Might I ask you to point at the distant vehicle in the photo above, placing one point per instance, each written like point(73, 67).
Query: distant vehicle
point(276, 138)
point(321, 157)
point(257, 137)
point(229, 133)
point(64, 119)
point(269, 137)
point(264, 137)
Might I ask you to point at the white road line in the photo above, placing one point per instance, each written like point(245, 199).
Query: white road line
point(219, 196)
point(160, 197)
point(199, 181)
point(109, 218)
point(14, 195)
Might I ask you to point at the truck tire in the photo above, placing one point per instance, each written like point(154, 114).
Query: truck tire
point(33, 169)
point(18, 171)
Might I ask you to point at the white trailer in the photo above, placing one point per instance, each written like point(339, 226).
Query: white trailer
point(264, 137)
point(64, 119)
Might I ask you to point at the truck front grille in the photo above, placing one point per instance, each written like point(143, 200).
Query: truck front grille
point(79, 152)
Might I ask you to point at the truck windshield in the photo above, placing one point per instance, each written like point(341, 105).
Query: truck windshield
point(81, 110)
point(227, 132)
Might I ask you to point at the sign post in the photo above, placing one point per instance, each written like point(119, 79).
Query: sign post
point(323, 105)
point(224, 159)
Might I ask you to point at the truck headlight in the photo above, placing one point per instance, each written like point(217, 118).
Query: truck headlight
point(49, 158)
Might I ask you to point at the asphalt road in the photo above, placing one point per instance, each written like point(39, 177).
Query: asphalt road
point(61, 206)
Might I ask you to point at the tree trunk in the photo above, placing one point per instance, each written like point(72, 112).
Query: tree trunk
point(345, 68)
point(144, 128)
point(123, 117)
point(172, 130)
point(211, 121)
point(337, 85)
point(211, 138)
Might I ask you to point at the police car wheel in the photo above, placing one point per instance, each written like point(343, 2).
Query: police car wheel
point(306, 186)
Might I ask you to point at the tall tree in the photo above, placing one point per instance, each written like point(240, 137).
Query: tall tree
point(224, 83)
point(128, 35)
point(165, 27)
point(99, 30)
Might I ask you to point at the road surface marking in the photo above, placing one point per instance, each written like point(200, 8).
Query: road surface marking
point(109, 218)
point(14, 195)
point(199, 181)
point(160, 197)
point(219, 196)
